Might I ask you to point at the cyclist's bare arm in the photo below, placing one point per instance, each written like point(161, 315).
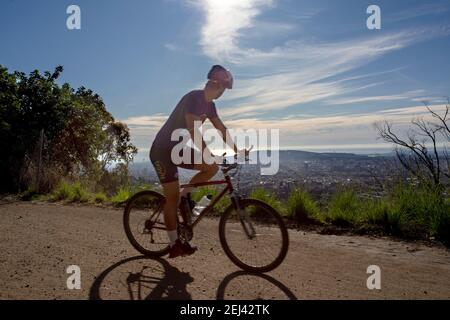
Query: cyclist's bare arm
point(218, 124)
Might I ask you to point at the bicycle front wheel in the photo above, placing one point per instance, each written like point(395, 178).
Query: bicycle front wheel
point(143, 221)
point(255, 237)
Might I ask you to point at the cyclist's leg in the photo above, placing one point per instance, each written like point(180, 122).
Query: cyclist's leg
point(172, 193)
point(177, 248)
point(168, 176)
point(207, 171)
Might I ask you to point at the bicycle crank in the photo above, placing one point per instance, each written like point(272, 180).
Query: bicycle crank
point(185, 232)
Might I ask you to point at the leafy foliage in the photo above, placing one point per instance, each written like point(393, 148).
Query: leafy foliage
point(81, 136)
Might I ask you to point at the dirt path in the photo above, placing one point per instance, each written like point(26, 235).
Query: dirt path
point(39, 241)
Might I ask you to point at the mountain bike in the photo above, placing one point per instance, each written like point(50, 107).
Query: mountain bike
point(252, 233)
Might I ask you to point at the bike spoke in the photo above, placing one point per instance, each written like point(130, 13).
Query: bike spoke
point(144, 220)
point(267, 244)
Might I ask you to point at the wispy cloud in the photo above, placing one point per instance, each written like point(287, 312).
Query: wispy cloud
point(351, 100)
point(296, 72)
point(171, 47)
point(310, 67)
point(265, 29)
point(156, 121)
point(419, 11)
point(224, 22)
point(427, 100)
point(307, 130)
point(228, 21)
point(306, 14)
point(293, 124)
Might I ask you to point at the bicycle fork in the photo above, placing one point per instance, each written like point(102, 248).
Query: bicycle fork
point(243, 217)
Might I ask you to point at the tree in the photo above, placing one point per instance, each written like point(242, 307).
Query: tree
point(9, 116)
point(81, 136)
point(419, 153)
point(28, 105)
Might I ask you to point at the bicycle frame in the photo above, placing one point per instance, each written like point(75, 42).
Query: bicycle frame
point(229, 188)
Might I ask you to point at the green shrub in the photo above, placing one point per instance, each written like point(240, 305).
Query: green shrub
point(79, 193)
point(375, 211)
point(62, 192)
point(439, 214)
point(441, 225)
point(408, 211)
point(29, 194)
point(269, 198)
point(100, 197)
point(408, 215)
point(344, 209)
point(121, 196)
point(302, 207)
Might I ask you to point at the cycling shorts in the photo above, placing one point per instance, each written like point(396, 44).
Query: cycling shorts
point(166, 170)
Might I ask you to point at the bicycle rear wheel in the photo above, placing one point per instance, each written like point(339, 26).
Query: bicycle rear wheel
point(143, 221)
point(256, 239)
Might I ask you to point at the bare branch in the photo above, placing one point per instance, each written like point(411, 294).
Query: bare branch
point(420, 156)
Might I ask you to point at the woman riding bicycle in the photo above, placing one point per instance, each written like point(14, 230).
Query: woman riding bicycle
point(195, 106)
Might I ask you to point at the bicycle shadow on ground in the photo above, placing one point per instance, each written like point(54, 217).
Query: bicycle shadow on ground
point(150, 279)
point(143, 278)
point(243, 285)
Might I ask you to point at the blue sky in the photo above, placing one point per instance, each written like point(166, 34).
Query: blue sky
point(309, 68)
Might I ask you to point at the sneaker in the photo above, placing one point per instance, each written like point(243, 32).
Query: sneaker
point(181, 249)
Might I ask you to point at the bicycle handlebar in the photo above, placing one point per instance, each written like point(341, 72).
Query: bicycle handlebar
point(226, 167)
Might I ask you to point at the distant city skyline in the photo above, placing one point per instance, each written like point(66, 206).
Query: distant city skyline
point(309, 68)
